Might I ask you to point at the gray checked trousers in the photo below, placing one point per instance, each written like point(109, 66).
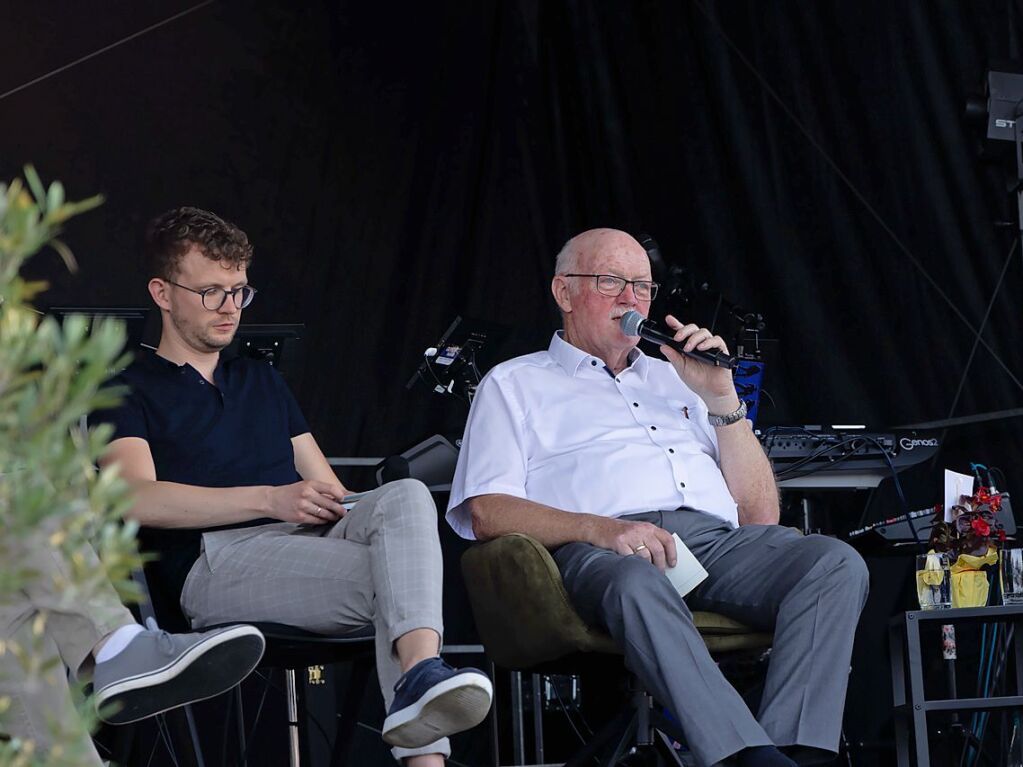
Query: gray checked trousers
point(808, 590)
point(380, 565)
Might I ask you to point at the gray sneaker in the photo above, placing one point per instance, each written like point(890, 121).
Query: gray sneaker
point(158, 671)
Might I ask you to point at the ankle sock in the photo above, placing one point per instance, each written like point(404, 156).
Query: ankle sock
point(118, 641)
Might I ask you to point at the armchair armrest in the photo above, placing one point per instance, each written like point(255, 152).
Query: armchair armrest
point(521, 607)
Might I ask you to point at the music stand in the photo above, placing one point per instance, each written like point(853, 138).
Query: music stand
point(277, 344)
point(138, 321)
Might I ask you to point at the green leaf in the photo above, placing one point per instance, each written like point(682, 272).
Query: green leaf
point(70, 209)
point(38, 191)
point(65, 254)
point(55, 196)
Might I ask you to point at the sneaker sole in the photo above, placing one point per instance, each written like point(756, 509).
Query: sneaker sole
point(208, 668)
point(452, 706)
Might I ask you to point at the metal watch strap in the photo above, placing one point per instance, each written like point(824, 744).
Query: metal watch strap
point(725, 420)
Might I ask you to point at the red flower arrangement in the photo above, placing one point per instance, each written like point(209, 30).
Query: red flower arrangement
point(975, 527)
point(968, 539)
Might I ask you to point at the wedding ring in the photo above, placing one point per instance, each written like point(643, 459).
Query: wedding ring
point(318, 510)
point(639, 548)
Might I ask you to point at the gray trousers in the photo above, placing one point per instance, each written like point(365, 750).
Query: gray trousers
point(380, 565)
point(808, 590)
point(41, 707)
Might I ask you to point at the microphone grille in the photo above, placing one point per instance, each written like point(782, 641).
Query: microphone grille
point(630, 322)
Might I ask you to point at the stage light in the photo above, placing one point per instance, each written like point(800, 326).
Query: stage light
point(1002, 102)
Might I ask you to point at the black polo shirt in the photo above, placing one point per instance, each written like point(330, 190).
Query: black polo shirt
point(234, 433)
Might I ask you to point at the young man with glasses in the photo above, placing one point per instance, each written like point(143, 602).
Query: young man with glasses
point(601, 453)
point(246, 514)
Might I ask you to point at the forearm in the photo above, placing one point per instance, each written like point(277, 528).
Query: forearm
point(170, 504)
point(323, 472)
point(497, 515)
point(311, 463)
point(748, 474)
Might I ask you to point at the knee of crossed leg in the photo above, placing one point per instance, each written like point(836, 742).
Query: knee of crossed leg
point(842, 562)
point(411, 495)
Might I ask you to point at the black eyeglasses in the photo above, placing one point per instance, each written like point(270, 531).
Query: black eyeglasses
point(612, 285)
point(214, 298)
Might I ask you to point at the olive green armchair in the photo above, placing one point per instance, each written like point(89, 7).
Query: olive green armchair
point(527, 623)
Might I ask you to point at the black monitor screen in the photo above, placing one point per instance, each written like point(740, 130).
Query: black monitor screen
point(138, 321)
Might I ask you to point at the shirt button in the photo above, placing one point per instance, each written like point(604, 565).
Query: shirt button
point(618, 380)
point(593, 362)
point(635, 404)
point(681, 484)
point(671, 450)
point(653, 428)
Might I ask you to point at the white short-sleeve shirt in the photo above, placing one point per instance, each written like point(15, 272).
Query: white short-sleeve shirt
point(556, 427)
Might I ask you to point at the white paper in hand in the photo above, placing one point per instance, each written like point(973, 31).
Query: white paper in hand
point(351, 499)
point(688, 573)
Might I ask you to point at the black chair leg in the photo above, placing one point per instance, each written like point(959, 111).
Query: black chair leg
point(667, 751)
point(295, 724)
point(122, 741)
point(667, 726)
point(194, 736)
point(626, 742)
point(181, 737)
point(348, 713)
point(637, 726)
point(610, 732)
point(243, 747)
point(495, 744)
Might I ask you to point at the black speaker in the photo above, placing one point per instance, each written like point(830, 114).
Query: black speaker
point(432, 462)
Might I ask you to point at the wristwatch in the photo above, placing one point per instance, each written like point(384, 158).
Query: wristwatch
point(725, 420)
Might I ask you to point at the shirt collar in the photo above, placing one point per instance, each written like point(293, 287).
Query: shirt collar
point(156, 362)
point(151, 359)
point(571, 358)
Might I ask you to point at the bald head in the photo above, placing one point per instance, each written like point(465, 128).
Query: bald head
point(593, 246)
point(591, 318)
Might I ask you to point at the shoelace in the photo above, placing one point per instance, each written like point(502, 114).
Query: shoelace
point(164, 641)
point(403, 679)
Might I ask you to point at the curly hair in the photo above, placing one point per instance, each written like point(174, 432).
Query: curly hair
point(170, 235)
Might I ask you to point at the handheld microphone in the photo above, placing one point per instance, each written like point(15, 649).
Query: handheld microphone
point(633, 324)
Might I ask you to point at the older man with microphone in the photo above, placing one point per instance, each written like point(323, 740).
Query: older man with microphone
point(602, 453)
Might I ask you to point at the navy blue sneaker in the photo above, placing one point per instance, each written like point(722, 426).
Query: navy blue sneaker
point(433, 700)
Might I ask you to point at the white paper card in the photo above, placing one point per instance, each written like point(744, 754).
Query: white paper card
point(688, 573)
point(352, 498)
point(956, 484)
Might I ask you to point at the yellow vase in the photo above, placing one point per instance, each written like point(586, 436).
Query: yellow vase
point(969, 583)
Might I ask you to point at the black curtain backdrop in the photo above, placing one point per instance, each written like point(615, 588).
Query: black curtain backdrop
point(397, 164)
